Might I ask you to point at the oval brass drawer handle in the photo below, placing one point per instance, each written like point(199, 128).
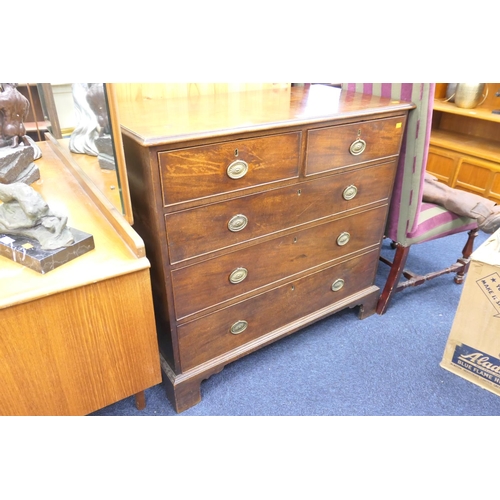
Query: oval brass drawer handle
point(350, 192)
point(237, 169)
point(239, 327)
point(237, 223)
point(343, 239)
point(357, 147)
point(337, 285)
point(238, 275)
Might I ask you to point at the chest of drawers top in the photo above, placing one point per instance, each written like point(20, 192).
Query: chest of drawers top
point(194, 119)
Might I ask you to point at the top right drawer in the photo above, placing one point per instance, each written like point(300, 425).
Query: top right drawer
point(341, 146)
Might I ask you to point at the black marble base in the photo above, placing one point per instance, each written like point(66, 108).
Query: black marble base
point(106, 154)
point(106, 162)
point(27, 251)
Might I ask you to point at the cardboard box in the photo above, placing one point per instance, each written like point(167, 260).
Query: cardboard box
point(473, 348)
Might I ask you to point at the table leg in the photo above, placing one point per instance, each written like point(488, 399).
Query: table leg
point(140, 400)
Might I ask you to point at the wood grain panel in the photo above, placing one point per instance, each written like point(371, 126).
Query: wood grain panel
point(329, 148)
point(127, 92)
point(495, 188)
point(160, 122)
point(487, 129)
point(207, 283)
point(201, 230)
point(210, 336)
point(75, 352)
point(442, 163)
point(193, 173)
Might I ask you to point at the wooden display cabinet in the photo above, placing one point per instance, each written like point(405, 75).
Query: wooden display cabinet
point(464, 148)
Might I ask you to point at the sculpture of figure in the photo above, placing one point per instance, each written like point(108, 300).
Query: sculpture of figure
point(92, 134)
point(97, 103)
point(16, 163)
point(24, 212)
point(14, 109)
point(486, 212)
point(83, 138)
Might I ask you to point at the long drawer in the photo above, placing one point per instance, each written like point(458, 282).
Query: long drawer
point(201, 230)
point(214, 281)
point(234, 326)
point(335, 147)
point(193, 173)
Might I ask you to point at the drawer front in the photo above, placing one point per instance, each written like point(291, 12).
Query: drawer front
point(194, 173)
point(201, 230)
point(234, 326)
point(217, 280)
point(343, 145)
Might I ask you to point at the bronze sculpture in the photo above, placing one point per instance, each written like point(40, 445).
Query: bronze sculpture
point(24, 212)
point(92, 134)
point(17, 150)
point(14, 109)
point(31, 233)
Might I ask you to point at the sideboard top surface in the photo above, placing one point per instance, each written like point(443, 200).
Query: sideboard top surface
point(111, 256)
point(153, 122)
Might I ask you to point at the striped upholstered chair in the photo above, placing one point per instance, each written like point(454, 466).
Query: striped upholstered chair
point(411, 220)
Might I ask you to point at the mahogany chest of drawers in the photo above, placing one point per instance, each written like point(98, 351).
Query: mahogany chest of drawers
point(261, 213)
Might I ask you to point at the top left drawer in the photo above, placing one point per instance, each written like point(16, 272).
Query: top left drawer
point(199, 172)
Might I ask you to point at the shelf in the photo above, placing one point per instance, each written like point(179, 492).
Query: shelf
point(34, 126)
point(466, 144)
point(482, 113)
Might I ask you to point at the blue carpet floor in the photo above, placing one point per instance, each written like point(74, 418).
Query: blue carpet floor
point(342, 366)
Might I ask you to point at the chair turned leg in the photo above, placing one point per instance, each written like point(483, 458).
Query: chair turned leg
point(140, 400)
point(391, 285)
point(466, 253)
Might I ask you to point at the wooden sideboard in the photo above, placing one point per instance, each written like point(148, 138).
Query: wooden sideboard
point(464, 150)
point(82, 336)
point(261, 212)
